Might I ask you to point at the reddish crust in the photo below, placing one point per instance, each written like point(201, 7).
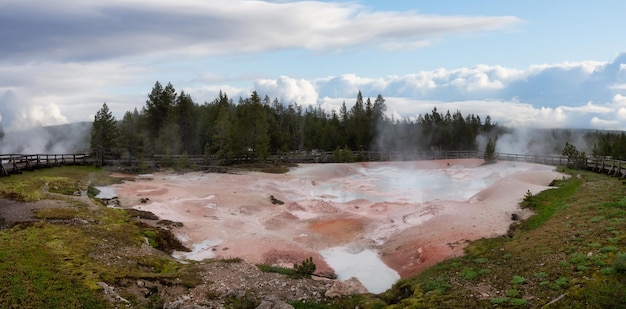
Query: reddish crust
point(236, 211)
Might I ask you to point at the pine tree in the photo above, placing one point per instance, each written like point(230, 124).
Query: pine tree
point(490, 152)
point(104, 134)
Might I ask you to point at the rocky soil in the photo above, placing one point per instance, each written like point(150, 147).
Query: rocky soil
point(221, 281)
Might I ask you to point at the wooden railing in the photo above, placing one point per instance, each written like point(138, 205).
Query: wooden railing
point(16, 163)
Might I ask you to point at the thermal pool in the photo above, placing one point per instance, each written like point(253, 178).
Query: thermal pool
point(376, 221)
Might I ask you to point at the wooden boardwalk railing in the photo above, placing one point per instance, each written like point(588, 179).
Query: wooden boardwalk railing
point(16, 163)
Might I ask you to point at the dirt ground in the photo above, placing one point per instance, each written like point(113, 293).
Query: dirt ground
point(282, 219)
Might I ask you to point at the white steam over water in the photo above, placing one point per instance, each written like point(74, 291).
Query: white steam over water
point(398, 183)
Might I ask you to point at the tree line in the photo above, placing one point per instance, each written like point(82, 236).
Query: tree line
point(171, 123)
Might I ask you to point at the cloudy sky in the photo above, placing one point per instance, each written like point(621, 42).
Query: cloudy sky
point(530, 63)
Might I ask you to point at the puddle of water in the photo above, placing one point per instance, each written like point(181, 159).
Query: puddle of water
point(201, 251)
point(365, 265)
point(106, 192)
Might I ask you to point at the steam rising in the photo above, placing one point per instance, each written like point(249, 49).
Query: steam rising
point(540, 142)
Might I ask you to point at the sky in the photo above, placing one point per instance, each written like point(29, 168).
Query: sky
point(548, 64)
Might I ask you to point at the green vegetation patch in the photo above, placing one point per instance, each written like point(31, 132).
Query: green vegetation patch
point(57, 264)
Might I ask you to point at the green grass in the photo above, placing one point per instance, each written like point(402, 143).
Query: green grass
point(63, 180)
point(276, 269)
point(51, 265)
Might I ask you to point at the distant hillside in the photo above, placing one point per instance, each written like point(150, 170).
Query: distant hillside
point(66, 138)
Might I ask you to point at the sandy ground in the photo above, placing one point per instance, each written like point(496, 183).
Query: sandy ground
point(412, 214)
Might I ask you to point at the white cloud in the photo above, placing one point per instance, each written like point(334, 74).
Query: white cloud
point(100, 30)
point(288, 90)
point(604, 123)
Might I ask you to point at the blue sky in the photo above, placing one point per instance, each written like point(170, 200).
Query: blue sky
point(525, 63)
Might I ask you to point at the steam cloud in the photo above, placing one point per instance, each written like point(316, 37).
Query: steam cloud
point(31, 128)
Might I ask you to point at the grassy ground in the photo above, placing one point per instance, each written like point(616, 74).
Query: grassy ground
point(59, 265)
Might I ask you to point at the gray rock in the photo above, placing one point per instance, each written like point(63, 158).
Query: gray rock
point(351, 286)
point(273, 302)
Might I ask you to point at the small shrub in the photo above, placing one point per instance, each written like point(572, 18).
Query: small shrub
point(518, 302)
point(540, 274)
point(597, 219)
point(619, 262)
point(232, 260)
point(577, 258)
point(305, 269)
point(183, 162)
point(562, 282)
point(275, 269)
point(607, 271)
point(439, 285)
point(512, 293)
point(480, 261)
point(518, 280)
point(609, 248)
point(469, 273)
point(499, 300)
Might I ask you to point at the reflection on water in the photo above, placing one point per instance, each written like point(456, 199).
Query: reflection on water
point(365, 265)
point(106, 192)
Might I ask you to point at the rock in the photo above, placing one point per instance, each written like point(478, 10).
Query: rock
point(514, 217)
point(351, 286)
point(110, 294)
point(273, 302)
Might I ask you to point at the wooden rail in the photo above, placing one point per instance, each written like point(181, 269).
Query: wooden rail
point(608, 166)
point(16, 163)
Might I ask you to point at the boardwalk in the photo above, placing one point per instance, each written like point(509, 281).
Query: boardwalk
point(16, 163)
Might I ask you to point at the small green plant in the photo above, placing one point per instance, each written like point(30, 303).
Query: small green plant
point(275, 269)
point(609, 248)
point(480, 260)
point(540, 274)
point(518, 302)
point(529, 200)
point(438, 284)
point(469, 273)
point(232, 260)
point(512, 293)
point(183, 162)
point(562, 282)
point(305, 269)
point(518, 280)
point(607, 271)
point(619, 262)
point(577, 258)
point(499, 300)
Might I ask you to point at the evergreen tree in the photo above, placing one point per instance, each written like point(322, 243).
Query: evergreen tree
point(157, 109)
point(575, 158)
point(187, 120)
point(490, 152)
point(130, 139)
point(104, 133)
